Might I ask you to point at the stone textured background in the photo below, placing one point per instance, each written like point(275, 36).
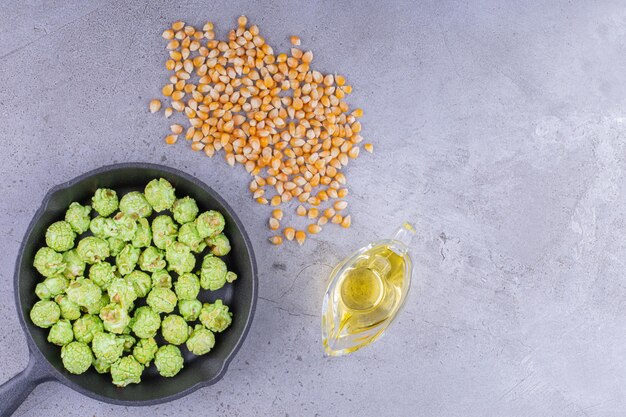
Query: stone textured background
point(499, 130)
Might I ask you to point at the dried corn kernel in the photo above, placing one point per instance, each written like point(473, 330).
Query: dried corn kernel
point(300, 237)
point(329, 212)
point(340, 205)
point(289, 233)
point(337, 219)
point(277, 214)
point(346, 222)
point(314, 229)
point(155, 106)
point(276, 240)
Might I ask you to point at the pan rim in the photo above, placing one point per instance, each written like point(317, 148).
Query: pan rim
point(52, 373)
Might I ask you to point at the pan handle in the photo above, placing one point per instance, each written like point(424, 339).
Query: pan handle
point(15, 390)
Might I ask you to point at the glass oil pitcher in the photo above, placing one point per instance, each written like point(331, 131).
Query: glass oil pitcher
point(365, 293)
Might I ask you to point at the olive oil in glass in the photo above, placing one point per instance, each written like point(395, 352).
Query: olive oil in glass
point(365, 293)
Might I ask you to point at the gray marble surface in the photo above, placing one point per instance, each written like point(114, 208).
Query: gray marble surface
point(500, 132)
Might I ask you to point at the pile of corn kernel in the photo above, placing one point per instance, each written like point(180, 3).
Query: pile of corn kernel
point(284, 122)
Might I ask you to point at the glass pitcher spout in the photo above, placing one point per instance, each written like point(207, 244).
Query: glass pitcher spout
point(404, 235)
point(365, 293)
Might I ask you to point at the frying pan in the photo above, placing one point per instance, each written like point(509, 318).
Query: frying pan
point(44, 363)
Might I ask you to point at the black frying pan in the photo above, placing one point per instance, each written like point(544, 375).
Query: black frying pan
point(44, 362)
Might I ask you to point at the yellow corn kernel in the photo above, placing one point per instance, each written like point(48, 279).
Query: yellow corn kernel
point(289, 233)
point(300, 237)
point(276, 240)
point(346, 222)
point(277, 214)
point(314, 229)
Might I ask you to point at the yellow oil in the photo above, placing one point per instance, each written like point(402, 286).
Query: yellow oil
point(364, 295)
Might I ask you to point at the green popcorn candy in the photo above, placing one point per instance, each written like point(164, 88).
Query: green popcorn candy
point(162, 300)
point(142, 283)
point(51, 287)
point(115, 318)
point(216, 316)
point(104, 201)
point(185, 210)
point(230, 276)
point(134, 204)
point(86, 327)
point(164, 231)
point(115, 245)
point(102, 274)
point(160, 194)
point(103, 227)
point(76, 357)
point(174, 329)
point(210, 223)
point(188, 234)
point(60, 236)
point(151, 259)
point(179, 258)
point(146, 322)
point(187, 286)
point(200, 341)
point(129, 342)
point(77, 216)
point(213, 273)
point(168, 360)
point(98, 305)
point(45, 313)
point(127, 259)
point(220, 245)
point(107, 347)
point(126, 371)
point(126, 226)
point(61, 333)
point(69, 309)
point(48, 262)
point(74, 265)
point(189, 309)
point(121, 291)
point(143, 234)
point(101, 366)
point(162, 279)
point(93, 249)
point(83, 292)
point(145, 350)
